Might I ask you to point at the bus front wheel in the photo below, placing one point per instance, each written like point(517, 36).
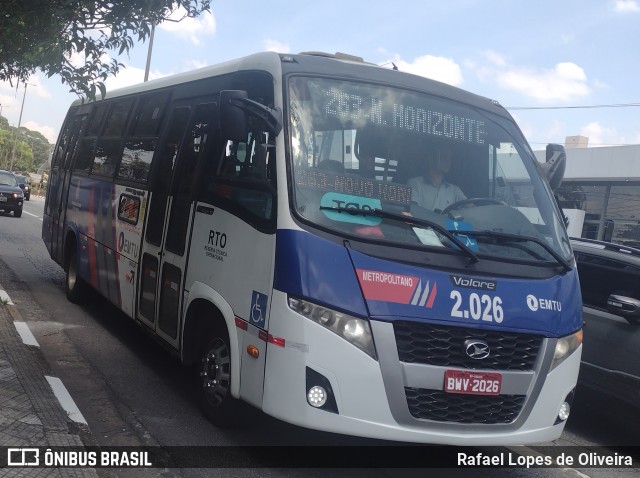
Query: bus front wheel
point(214, 383)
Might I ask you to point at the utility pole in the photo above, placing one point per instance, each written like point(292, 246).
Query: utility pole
point(146, 70)
point(15, 136)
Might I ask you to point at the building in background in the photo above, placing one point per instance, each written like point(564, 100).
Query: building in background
point(601, 191)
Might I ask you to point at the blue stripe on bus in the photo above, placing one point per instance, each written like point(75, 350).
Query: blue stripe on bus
point(311, 267)
point(328, 273)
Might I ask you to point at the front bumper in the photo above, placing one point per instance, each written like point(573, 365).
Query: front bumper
point(372, 396)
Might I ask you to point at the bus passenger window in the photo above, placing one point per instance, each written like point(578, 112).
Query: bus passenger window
point(118, 119)
point(65, 136)
point(84, 159)
point(108, 153)
point(95, 124)
point(150, 114)
point(136, 159)
point(142, 141)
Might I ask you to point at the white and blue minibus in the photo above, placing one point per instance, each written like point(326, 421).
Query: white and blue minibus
point(258, 218)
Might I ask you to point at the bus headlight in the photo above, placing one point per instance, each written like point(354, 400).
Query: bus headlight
point(565, 346)
point(352, 329)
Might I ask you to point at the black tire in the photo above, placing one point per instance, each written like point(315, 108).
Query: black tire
point(17, 213)
point(213, 375)
point(76, 287)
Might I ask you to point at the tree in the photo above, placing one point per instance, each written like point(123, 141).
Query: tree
point(23, 161)
point(44, 35)
point(40, 146)
point(32, 148)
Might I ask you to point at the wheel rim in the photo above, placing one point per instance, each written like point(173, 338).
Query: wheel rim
point(72, 274)
point(216, 372)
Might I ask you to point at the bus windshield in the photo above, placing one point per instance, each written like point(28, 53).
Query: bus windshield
point(366, 156)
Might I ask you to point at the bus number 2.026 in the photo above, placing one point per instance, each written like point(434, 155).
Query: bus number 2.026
point(484, 307)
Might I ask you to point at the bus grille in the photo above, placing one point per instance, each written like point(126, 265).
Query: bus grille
point(450, 407)
point(445, 346)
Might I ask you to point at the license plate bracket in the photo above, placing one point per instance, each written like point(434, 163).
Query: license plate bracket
point(472, 382)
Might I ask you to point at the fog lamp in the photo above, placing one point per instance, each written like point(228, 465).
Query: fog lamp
point(565, 408)
point(317, 396)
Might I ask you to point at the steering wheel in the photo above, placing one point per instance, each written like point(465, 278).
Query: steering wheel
point(471, 201)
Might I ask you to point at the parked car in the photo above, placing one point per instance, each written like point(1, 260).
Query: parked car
point(11, 196)
point(25, 185)
point(610, 284)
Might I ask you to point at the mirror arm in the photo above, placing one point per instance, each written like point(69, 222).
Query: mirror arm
point(270, 116)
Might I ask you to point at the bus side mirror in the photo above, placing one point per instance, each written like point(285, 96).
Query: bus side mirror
point(555, 165)
point(234, 108)
point(233, 120)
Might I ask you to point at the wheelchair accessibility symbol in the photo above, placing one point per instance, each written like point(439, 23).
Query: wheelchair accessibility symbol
point(468, 241)
point(258, 308)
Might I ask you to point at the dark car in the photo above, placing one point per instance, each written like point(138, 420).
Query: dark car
point(25, 185)
point(11, 196)
point(610, 284)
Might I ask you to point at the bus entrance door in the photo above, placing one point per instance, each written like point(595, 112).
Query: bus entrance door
point(164, 248)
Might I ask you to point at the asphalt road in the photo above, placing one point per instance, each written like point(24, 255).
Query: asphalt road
point(131, 392)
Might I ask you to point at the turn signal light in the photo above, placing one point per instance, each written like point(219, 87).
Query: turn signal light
point(253, 351)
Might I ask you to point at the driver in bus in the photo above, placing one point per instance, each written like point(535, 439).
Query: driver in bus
point(431, 190)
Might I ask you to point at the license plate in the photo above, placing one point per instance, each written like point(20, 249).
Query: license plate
point(3, 199)
point(472, 383)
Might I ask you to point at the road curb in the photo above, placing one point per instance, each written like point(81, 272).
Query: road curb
point(31, 413)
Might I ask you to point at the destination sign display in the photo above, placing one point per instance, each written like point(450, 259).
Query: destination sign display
point(353, 185)
point(406, 112)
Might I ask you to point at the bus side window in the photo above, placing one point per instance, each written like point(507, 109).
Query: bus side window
point(108, 151)
point(141, 144)
point(233, 158)
point(109, 146)
point(183, 181)
point(62, 143)
point(244, 181)
point(160, 181)
point(86, 149)
point(251, 160)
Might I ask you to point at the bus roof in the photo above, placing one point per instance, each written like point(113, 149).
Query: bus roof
point(338, 65)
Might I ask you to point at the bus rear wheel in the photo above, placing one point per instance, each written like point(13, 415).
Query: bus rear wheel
point(214, 383)
point(75, 287)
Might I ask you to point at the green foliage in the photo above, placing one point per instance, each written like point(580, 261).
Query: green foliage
point(31, 148)
point(23, 160)
point(43, 35)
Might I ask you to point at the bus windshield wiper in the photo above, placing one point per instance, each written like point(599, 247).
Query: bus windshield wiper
point(411, 220)
point(517, 238)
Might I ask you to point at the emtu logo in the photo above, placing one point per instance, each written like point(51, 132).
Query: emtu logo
point(425, 297)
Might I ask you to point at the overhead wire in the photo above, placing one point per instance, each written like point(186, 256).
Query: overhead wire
point(613, 105)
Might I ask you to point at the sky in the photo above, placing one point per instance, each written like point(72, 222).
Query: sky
point(557, 66)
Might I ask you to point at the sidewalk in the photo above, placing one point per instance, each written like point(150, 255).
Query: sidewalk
point(30, 412)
